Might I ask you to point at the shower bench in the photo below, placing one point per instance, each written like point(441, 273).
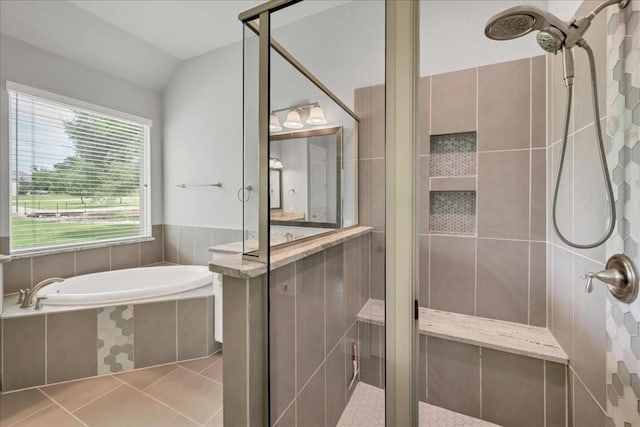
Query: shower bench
point(510, 337)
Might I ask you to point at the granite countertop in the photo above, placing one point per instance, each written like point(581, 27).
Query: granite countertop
point(236, 266)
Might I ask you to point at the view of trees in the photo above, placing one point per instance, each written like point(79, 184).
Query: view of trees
point(106, 161)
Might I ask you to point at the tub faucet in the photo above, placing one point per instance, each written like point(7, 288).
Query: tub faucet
point(25, 299)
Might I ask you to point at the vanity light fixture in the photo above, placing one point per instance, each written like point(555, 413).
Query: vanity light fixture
point(275, 163)
point(293, 120)
point(316, 116)
point(274, 123)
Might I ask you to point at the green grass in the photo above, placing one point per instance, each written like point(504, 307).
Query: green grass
point(67, 202)
point(30, 233)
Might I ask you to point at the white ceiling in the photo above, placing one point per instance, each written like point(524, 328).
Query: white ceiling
point(142, 41)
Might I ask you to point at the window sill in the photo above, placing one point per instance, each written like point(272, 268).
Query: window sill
point(75, 248)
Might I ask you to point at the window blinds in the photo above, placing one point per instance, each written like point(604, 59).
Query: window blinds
point(77, 176)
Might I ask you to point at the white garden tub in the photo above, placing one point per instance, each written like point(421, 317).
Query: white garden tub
point(130, 286)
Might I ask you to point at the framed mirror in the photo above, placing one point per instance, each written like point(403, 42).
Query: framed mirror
point(310, 178)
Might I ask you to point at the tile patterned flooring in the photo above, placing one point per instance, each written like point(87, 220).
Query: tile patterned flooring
point(179, 395)
point(366, 409)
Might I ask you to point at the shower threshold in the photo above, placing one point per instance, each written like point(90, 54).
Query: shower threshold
point(366, 409)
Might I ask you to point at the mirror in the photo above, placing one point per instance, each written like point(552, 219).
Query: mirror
point(306, 190)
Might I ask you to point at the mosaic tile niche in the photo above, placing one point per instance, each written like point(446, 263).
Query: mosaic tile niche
point(453, 154)
point(623, 127)
point(452, 212)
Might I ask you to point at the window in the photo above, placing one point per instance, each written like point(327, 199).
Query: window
point(78, 172)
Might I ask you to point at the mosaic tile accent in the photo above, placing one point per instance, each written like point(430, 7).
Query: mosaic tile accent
point(115, 339)
point(366, 409)
point(452, 212)
point(623, 157)
point(453, 154)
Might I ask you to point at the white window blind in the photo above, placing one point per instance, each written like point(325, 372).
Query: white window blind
point(78, 176)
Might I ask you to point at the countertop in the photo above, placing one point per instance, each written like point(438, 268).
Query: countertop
point(236, 266)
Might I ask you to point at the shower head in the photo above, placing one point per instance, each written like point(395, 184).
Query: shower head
point(521, 20)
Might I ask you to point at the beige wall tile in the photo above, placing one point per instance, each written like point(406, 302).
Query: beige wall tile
point(23, 347)
point(334, 296)
point(504, 125)
point(282, 336)
point(234, 325)
point(589, 331)
point(503, 195)
point(538, 195)
point(561, 322)
point(423, 261)
point(424, 108)
point(453, 102)
point(377, 279)
point(353, 279)
point(586, 411)
point(92, 260)
point(565, 194)
point(170, 243)
point(186, 244)
point(17, 275)
point(512, 389)
point(258, 375)
point(57, 265)
point(310, 300)
point(539, 101)
point(452, 274)
point(125, 256)
point(503, 280)
point(350, 338)
point(72, 345)
point(453, 376)
point(154, 333)
point(555, 393)
point(192, 328)
point(370, 353)
point(538, 285)
point(371, 197)
point(369, 105)
point(310, 405)
point(336, 385)
point(288, 419)
point(151, 252)
point(203, 241)
point(423, 195)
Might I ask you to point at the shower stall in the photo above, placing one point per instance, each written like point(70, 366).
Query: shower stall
point(440, 228)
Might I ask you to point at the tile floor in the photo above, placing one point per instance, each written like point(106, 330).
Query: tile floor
point(366, 409)
point(177, 395)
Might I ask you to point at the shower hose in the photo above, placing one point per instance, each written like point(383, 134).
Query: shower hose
point(601, 151)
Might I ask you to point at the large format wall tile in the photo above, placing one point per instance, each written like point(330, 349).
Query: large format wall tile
point(282, 339)
point(555, 393)
point(335, 383)
point(71, 345)
point(504, 125)
point(155, 333)
point(503, 270)
point(377, 275)
point(310, 405)
point(56, 265)
point(192, 328)
point(151, 252)
point(503, 195)
point(538, 101)
point(586, 411)
point(335, 301)
point(371, 196)
point(125, 256)
point(561, 310)
point(92, 261)
point(453, 376)
point(23, 346)
point(512, 389)
point(310, 303)
point(538, 195)
point(424, 106)
point(453, 102)
point(538, 284)
point(452, 281)
point(17, 275)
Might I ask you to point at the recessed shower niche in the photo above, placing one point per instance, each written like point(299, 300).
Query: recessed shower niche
point(452, 183)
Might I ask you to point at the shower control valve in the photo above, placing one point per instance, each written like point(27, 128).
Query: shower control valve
point(620, 277)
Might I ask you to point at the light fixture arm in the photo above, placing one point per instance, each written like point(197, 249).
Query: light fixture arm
point(296, 107)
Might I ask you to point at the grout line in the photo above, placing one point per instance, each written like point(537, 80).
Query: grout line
point(477, 216)
point(63, 408)
point(46, 349)
point(530, 225)
point(31, 413)
point(199, 374)
point(153, 383)
point(544, 392)
point(157, 400)
point(89, 402)
point(214, 414)
point(575, 374)
point(480, 374)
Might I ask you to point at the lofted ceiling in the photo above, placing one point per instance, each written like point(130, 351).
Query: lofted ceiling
point(142, 41)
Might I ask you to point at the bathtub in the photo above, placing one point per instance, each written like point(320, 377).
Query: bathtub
point(130, 286)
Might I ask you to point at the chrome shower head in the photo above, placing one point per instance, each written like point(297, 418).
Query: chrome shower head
point(521, 20)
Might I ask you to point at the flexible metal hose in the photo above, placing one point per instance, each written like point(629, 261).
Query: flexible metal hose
point(601, 152)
